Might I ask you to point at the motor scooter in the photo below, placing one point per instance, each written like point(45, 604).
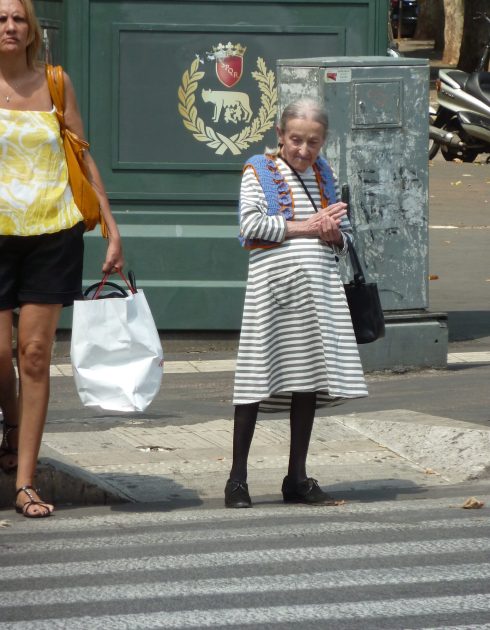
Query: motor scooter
point(461, 124)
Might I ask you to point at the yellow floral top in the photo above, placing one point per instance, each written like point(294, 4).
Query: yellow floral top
point(35, 196)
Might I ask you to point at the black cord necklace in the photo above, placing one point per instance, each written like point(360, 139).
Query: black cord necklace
point(300, 179)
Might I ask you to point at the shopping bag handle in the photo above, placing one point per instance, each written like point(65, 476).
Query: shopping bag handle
point(105, 279)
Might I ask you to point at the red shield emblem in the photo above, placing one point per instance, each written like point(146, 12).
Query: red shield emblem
point(229, 70)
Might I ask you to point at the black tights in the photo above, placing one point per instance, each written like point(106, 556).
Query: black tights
point(303, 405)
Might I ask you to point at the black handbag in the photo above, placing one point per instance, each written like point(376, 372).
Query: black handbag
point(364, 304)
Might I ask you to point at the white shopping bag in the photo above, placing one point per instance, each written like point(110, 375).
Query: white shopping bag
point(116, 353)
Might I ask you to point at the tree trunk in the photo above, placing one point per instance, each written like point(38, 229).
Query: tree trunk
point(439, 24)
point(475, 35)
point(430, 20)
point(453, 30)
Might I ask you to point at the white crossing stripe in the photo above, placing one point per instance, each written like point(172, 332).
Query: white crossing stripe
point(468, 357)
point(165, 537)
point(248, 585)
point(262, 557)
point(133, 519)
point(370, 609)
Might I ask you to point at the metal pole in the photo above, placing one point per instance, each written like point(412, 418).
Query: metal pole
point(47, 47)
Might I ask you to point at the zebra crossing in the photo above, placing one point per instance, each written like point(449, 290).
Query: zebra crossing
point(406, 564)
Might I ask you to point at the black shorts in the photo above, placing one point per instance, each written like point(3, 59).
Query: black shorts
point(44, 269)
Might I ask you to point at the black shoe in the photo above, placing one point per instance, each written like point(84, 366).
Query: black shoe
point(236, 494)
point(307, 491)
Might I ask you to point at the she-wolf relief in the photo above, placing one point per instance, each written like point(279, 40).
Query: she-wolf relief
point(236, 105)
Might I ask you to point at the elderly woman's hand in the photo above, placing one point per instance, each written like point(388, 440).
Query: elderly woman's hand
point(329, 231)
point(329, 222)
point(324, 224)
point(335, 211)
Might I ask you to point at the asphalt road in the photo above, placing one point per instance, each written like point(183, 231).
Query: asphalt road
point(371, 565)
point(459, 252)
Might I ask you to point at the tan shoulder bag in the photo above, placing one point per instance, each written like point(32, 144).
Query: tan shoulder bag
point(83, 192)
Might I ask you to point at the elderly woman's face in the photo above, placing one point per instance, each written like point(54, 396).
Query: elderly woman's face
point(301, 142)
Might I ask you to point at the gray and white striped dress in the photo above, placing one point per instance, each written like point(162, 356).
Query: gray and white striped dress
point(296, 331)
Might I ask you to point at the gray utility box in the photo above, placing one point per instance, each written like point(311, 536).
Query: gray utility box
point(378, 144)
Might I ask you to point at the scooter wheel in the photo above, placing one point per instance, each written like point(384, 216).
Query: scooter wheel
point(433, 149)
point(449, 154)
point(433, 145)
point(465, 156)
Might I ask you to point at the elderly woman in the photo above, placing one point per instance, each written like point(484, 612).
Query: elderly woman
point(41, 241)
point(297, 346)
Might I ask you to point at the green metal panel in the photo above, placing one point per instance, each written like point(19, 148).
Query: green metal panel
point(51, 18)
point(175, 96)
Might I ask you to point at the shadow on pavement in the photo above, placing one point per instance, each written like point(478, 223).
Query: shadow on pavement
point(466, 325)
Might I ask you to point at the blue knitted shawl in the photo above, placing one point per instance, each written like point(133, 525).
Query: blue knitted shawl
point(278, 194)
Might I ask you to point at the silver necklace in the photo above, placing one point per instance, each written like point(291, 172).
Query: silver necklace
point(8, 97)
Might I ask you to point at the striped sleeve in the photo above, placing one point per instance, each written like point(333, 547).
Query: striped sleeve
point(255, 223)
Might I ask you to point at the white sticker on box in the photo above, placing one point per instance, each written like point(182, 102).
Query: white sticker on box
point(338, 75)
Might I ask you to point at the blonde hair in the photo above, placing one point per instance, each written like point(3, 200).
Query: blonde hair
point(34, 38)
point(306, 108)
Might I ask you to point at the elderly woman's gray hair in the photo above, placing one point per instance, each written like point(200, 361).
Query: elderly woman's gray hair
point(306, 108)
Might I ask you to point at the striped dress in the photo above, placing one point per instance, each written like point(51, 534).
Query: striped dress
point(296, 331)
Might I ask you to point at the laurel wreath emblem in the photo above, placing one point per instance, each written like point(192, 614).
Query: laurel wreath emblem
point(218, 141)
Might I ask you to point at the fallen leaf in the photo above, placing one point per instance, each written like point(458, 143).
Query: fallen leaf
point(334, 503)
point(429, 471)
point(472, 504)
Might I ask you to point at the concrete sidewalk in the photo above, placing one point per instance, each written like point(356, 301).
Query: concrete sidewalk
point(103, 457)
point(386, 449)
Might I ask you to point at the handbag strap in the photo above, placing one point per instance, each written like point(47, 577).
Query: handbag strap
point(359, 277)
point(56, 85)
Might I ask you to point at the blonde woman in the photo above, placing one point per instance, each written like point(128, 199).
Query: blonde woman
point(41, 242)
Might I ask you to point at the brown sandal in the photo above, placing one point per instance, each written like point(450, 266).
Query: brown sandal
point(7, 450)
point(24, 510)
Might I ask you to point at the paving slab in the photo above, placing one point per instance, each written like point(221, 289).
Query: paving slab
point(459, 451)
point(396, 448)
